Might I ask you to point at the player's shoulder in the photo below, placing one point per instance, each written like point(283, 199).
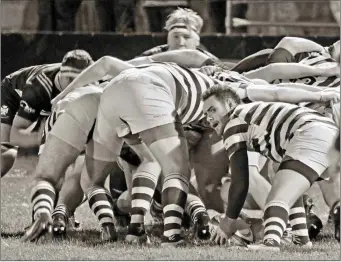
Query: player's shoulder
point(50, 70)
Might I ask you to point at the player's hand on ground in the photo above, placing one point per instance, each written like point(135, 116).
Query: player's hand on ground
point(330, 95)
point(41, 226)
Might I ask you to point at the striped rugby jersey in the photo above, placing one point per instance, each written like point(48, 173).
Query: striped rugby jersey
point(36, 86)
point(267, 127)
point(164, 48)
point(315, 59)
point(190, 84)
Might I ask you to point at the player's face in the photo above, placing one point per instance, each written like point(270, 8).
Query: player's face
point(215, 111)
point(182, 38)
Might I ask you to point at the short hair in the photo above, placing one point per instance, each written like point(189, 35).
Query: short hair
point(222, 92)
point(186, 16)
point(77, 60)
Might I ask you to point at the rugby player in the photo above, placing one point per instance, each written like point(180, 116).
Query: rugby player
point(174, 73)
point(44, 171)
point(183, 32)
point(288, 50)
point(279, 131)
point(26, 93)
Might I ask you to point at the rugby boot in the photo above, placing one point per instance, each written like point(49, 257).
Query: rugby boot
point(59, 225)
point(108, 233)
point(201, 226)
point(267, 245)
point(175, 240)
point(137, 234)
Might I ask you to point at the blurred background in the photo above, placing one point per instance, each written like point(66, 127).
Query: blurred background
point(40, 31)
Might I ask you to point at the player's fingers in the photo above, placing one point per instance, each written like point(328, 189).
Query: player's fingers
point(32, 232)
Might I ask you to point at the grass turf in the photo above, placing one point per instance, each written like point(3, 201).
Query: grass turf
point(85, 244)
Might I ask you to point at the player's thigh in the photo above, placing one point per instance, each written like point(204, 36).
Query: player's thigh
point(101, 152)
point(310, 147)
point(169, 146)
point(288, 186)
point(56, 156)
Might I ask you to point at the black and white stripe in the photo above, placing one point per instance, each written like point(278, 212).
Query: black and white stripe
point(268, 127)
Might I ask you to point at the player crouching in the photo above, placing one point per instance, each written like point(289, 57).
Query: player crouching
point(296, 137)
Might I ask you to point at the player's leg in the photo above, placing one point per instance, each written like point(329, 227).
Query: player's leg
point(334, 163)
point(169, 146)
point(305, 161)
point(60, 150)
point(9, 106)
point(101, 154)
point(143, 184)
point(298, 222)
point(52, 164)
point(70, 197)
point(197, 212)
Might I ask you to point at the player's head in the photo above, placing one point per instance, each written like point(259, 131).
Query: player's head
point(219, 100)
point(334, 51)
point(73, 63)
point(183, 26)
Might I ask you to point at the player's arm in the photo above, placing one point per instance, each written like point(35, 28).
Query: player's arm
point(187, 58)
point(106, 65)
point(297, 45)
point(253, 61)
point(235, 144)
point(290, 71)
point(33, 100)
point(275, 93)
point(301, 86)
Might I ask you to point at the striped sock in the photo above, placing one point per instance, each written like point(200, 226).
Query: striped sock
point(61, 209)
point(194, 207)
point(101, 204)
point(42, 199)
point(144, 184)
point(275, 220)
point(298, 222)
point(174, 195)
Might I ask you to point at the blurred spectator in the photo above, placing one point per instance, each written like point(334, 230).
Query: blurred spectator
point(58, 15)
point(158, 11)
point(116, 15)
point(217, 11)
point(183, 27)
point(335, 8)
